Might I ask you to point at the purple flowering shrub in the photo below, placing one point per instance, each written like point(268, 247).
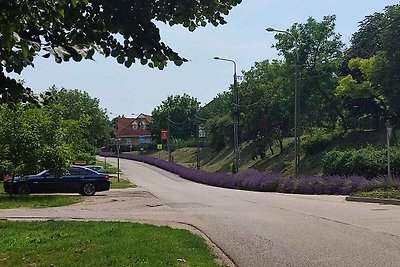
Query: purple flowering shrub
point(254, 180)
point(331, 185)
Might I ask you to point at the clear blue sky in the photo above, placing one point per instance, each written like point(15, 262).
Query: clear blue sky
point(139, 89)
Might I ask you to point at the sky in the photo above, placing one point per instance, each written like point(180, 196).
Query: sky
point(140, 89)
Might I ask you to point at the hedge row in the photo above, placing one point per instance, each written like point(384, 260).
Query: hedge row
point(254, 180)
point(369, 162)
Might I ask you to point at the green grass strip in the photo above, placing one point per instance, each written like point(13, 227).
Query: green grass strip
point(35, 201)
point(62, 243)
point(383, 194)
point(122, 184)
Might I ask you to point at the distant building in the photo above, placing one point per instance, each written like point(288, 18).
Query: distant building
point(131, 130)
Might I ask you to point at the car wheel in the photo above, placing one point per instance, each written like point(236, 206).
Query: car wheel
point(88, 189)
point(23, 189)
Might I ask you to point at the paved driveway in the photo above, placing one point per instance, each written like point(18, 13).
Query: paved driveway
point(252, 228)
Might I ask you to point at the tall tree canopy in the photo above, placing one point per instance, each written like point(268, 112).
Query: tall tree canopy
point(52, 137)
point(178, 111)
point(79, 105)
point(320, 54)
point(267, 103)
point(76, 29)
point(375, 47)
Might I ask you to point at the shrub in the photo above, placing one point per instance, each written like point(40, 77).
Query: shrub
point(86, 157)
point(331, 185)
point(316, 141)
point(369, 162)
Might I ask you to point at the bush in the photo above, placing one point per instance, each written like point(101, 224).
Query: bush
point(86, 157)
point(369, 162)
point(331, 185)
point(316, 141)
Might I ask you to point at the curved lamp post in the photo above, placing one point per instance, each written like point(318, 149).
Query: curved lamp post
point(235, 116)
point(296, 102)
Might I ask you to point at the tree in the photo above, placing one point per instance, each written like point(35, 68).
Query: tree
point(219, 122)
point(267, 104)
point(76, 105)
point(76, 29)
point(375, 45)
point(363, 96)
point(51, 137)
point(178, 111)
point(31, 140)
point(320, 56)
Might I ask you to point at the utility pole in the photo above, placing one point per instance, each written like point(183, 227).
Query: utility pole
point(198, 144)
point(389, 130)
point(236, 123)
point(118, 158)
point(168, 138)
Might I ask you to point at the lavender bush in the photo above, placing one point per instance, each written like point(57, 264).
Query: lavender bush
point(254, 180)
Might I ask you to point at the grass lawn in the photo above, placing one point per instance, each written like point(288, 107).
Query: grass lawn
point(35, 201)
point(391, 194)
point(60, 243)
point(122, 184)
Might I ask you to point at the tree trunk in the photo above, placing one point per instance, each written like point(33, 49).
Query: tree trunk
point(280, 145)
point(270, 148)
point(334, 106)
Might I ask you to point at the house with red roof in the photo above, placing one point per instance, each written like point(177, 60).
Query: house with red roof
point(134, 131)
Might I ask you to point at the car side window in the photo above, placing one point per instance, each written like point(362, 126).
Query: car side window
point(49, 175)
point(86, 172)
point(74, 172)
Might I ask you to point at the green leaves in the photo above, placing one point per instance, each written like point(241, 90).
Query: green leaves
point(74, 2)
point(75, 29)
point(181, 111)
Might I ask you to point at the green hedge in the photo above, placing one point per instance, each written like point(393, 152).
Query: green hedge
point(369, 162)
point(316, 141)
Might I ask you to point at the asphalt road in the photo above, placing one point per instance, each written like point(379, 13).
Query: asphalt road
point(271, 229)
point(252, 228)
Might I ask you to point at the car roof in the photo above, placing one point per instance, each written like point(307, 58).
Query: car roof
point(97, 166)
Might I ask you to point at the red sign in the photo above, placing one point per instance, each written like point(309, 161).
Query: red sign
point(164, 134)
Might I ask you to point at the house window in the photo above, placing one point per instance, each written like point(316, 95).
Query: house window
point(143, 125)
point(134, 126)
point(125, 141)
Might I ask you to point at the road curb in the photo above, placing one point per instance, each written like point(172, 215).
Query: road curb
point(374, 200)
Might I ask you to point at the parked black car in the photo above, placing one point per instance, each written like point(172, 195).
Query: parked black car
point(79, 180)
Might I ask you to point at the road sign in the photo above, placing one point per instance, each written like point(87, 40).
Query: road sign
point(141, 139)
point(164, 135)
point(159, 146)
point(202, 133)
point(389, 129)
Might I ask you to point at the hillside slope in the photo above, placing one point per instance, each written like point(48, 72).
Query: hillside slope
point(278, 161)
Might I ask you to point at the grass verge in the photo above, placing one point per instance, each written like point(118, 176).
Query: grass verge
point(108, 167)
point(122, 184)
point(35, 201)
point(60, 243)
point(381, 194)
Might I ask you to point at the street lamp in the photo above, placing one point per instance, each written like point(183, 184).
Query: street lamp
point(296, 102)
point(235, 116)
